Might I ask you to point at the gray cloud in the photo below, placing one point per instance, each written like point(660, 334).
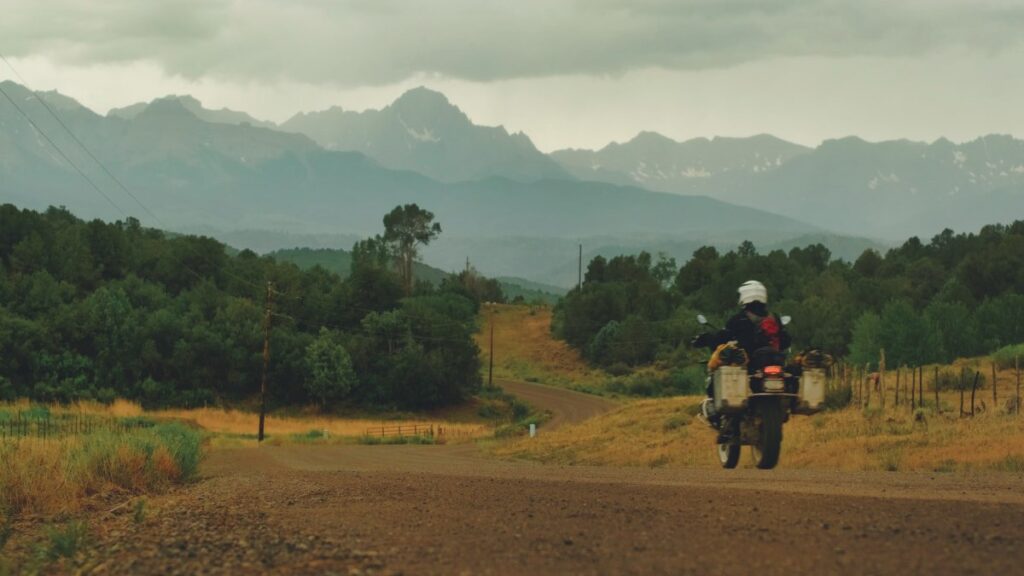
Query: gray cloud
point(374, 42)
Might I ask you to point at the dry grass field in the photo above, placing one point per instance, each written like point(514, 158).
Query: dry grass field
point(242, 426)
point(665, 432)
point(54, 476)
point(525, 350)
point(235, 427)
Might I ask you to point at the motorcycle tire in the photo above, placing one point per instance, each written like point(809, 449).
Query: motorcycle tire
point(769, 436)
point(729, 455)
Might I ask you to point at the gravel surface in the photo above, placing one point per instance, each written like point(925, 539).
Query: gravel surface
point(452, 510)
point(257, 514)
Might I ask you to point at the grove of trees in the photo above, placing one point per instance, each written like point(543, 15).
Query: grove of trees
point(954, 296)
point(95, 310)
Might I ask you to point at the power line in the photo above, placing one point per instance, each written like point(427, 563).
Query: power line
point(60, 151)
point(142, 205)
point(103, 167)
point(83, 146)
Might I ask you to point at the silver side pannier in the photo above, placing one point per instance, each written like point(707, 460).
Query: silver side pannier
point(731, 387)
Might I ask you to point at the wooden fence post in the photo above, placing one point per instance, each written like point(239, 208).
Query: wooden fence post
point(913, 387)
point(867, 385)
point(899, 370)
point(963, 387)
point(935, 385)
point(881, 377)
point(1016, 363)
point(995, 401)
point(920, 386)
point(860, 385)
point(974, 389)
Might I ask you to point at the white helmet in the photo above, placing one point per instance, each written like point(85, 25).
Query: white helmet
point(753, 291)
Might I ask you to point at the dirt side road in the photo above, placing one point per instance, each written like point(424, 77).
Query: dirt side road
point(565, 406)
point(452, 510)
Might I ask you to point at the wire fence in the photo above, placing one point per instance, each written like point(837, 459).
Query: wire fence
point(917, 387)
point(28, 425)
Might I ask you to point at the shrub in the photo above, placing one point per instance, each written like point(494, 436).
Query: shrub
point(519, 410)
point(954, 380)
point(677, 421)
point(1007, 356)
point(616, 387)
point(619, 369)
point(489, 412)
point(838, 397)
point(67, 541)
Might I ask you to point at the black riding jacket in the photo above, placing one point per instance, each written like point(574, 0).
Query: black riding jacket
point(753, 332)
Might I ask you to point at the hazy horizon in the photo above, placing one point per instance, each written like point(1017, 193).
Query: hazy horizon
point(568, 74)
point(107, 111)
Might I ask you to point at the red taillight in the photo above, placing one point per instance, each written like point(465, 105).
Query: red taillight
point(773, 370)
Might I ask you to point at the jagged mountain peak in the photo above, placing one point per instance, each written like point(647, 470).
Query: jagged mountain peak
point(168, 107)
point(429, 108)
point(423, 131)
point(421, 95)
point(651, 137)
point(52, 97)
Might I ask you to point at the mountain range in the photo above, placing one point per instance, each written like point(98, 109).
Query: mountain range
point(885, 189)
point(232, 175)
point(509, 207)
point(423, 132)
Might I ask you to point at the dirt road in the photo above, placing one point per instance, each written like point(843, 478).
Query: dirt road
point(565, 406)
point(452, 510)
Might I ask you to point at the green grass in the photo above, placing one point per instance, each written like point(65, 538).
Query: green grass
point(139, 511)
point(67, 541)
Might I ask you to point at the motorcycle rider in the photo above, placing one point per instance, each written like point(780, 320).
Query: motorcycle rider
point(753, 328)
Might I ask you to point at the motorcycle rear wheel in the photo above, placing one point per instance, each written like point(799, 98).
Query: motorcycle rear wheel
point(729, 455)
point(769, 436)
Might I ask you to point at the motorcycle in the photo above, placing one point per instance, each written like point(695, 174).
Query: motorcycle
point(752, 400)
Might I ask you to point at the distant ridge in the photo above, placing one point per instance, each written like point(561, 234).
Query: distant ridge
point(222, 116)
point(424, 132)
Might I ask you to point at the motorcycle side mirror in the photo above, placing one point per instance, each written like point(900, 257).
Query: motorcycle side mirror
point(701, 319)
point(786, 320)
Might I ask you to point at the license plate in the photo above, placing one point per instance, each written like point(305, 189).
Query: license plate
point(773, 385)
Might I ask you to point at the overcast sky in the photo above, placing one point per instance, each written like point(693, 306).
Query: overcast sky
point(570, 73)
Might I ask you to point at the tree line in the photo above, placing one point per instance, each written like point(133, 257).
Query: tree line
point(96, 310)
point(956, 295)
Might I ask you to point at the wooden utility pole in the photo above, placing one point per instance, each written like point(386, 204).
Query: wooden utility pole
point(268, 310)
point(579, 271)
point(490, 360)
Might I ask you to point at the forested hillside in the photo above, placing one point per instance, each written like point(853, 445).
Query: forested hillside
point(957, 295)
point(94, 310)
